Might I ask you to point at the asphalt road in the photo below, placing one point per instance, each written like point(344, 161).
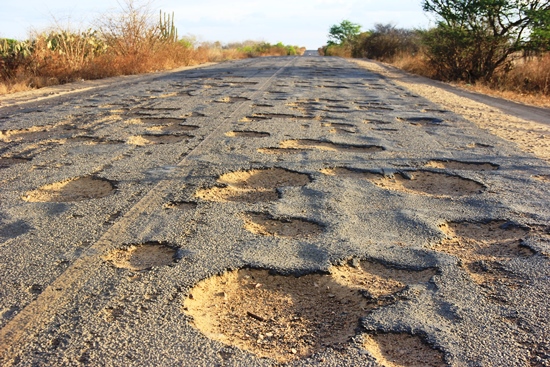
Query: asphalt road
point(87, 178)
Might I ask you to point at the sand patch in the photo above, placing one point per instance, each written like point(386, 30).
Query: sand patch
point(478, 245)
point(74, 189)
point(247, 134)
point(458, 165)
point(142, 257)
point(253, 186)
point(418, 182)
point(266, 225)
point(142, 140)
point(285, 317)
point(402, 350)
point(329, 146)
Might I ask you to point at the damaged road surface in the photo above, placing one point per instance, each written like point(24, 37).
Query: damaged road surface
point(298, 211)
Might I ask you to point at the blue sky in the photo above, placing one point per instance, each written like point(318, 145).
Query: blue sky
point(300, 22)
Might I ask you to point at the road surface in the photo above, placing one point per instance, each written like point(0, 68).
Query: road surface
point(296, 210)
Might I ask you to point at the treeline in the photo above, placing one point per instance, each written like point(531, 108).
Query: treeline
point(501, 43)
point(131, 42)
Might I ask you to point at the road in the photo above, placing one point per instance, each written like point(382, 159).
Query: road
point(296, 210)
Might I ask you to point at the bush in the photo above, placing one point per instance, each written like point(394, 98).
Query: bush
point(385, 42)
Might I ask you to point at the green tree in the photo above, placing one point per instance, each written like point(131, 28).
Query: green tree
point(473, 38)
point(342, 33)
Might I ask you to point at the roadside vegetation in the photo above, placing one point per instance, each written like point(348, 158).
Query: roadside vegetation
point(132, 41)
point(502, 45)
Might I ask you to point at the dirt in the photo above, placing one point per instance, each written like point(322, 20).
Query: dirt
point(74, 189)
point(141, 257)
point(402, 350)
point(478, 245)
point(265, 225)
point(287, 318)
point(253, 186)
point(530, 136)
point(417, 182)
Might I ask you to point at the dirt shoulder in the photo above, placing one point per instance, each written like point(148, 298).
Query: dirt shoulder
point(527, 126)
point(36, 95)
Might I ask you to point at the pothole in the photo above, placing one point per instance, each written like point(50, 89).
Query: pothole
point(339, 125)
point(232, 99)
point(376, 122)
point(271, 116)
point(543, 178)
point(177, 128)
point(402, 350)
point(161, 120)
point(150, 139)
point(247, 134)
point(374, 108)
point(180, 205)
point(40, 133)
point(418, 182)
point(424, 121)
point(74, 189)
point(326, 145)
point(458, 165)
point(253, 186)
point(288, 318)
point(281, 151)
point(480, 245)
point(6, 162)
point(266, 225)
point(143, 256)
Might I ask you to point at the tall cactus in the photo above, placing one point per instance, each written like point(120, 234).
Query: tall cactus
point(168, 31)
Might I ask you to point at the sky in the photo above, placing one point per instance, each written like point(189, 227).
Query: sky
point(297, 22)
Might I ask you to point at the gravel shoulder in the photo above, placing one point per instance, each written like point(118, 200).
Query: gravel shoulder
point(526, 126)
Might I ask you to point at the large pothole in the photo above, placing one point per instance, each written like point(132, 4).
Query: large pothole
point(287, 318)
point(142, 256)
point(482, 246)
point(418, 182)
point(253, 186)
point(402, 350)
point(74, 189)
point(266, 225)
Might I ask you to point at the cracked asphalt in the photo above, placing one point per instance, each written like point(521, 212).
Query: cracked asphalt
point(160, 141)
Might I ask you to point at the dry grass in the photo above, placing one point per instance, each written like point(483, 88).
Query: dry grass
point(132, 41)
point(527, 82)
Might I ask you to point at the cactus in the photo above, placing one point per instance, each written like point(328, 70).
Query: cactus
point(167, 29)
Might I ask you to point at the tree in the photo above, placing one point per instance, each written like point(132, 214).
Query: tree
point(473, 38)
point(342, 33)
